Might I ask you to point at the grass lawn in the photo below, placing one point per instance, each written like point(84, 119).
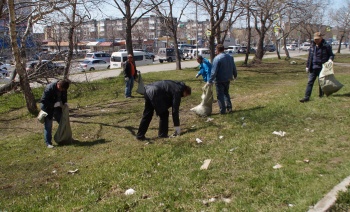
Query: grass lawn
point(165, 173)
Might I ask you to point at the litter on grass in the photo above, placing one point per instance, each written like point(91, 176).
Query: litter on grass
point(221, 137)
point(73, 171)
point(209, 120)
point(277, 166)
point(205, 164)
point(130, 191)
point(280, 133)
point(198, 140)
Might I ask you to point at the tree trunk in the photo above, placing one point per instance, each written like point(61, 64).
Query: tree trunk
point(20, 60)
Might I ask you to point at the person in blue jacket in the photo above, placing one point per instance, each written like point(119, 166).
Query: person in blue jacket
point(223, 71)
point(204, 68)
point(54, 96)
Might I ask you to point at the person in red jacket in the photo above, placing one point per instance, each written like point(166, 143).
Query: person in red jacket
point(130, 74)
point(160, 96)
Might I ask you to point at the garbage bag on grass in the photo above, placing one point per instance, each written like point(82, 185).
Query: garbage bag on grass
point(328, 83)
point(206, 106)
point(63, 134)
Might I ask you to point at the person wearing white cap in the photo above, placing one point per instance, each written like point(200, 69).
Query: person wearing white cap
point(319, 53)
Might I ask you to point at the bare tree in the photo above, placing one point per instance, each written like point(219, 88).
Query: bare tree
point(133, 11)
point(35, 10)
point(166, 11)
point(341, 18)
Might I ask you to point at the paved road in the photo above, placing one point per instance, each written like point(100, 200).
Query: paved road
point(157, 67)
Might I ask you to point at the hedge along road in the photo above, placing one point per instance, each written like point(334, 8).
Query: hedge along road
point(156, 67)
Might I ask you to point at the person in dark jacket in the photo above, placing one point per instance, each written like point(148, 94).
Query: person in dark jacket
point(319, 53)
point(130, 74)
point(160, 96)
point(54, 96)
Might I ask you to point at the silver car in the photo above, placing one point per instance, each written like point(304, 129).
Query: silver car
point(96, 64)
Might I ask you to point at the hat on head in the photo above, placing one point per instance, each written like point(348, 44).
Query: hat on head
point(318, 35)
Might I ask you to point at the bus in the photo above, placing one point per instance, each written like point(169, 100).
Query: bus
point(140, 58)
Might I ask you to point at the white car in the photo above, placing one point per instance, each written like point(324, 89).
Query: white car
point(5, 66)
point(95, 64)
point(291, 47)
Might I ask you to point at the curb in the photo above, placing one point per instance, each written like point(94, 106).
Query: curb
point(328, 201)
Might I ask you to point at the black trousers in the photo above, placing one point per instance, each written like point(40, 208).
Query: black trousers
point(147, 118)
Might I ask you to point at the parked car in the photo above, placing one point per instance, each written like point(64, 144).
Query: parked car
point(4, 73)
point(150, 54)
point(291, 47)
point(5, 66)
point(243, 50)
point(230, 52)
point(168, 54)
point(45, 68)
point(95, 64)
point(270, 48)
point(98, 55)
point(305, 47)
point(189, 54)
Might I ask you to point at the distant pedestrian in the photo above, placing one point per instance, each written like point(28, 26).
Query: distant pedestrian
point(204, 68)
point(130, 74)
point(159, 97)
point(319, 53)
point(222, 72)
point(52, 100)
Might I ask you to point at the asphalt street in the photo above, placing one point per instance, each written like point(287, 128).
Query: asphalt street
point(157, 67)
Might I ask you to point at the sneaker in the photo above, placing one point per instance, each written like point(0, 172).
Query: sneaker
point(50, 146)
point(304, 100)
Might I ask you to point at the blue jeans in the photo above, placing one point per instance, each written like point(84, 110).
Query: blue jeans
point(224, 100)
point(128, 86)
point(310, 84)
point(48, 125)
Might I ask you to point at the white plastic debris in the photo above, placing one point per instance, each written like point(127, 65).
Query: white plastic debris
point(73, 171)
point(280, 133)
point(290, 205)
point(277, 166)
point(221, 137)
point(309, 130)
point(54, 172)
point(209, 120)
point(198, 140)
point(205, 164)
point(130, 191)
point(244, 124)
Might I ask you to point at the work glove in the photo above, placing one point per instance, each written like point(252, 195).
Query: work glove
point(126, 79)
point(197, 75)
point(57, 104)
point(330, 61)
point(307, 70)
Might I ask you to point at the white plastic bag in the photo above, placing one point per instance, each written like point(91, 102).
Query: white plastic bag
point(206, 106)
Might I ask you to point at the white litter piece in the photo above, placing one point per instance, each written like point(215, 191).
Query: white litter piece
point(198, 140)
point(244, 124)
point(280, 133)
point(205, 164)
point(242, 118)
point(73, 171)
point(130, 191)
point(221, 137)
point(290, 205)
point(209, 119)
point(193, 126)
point(309, 130)
point(306, 161)
point(226, 200)
point(277, 166)
point(54, 172)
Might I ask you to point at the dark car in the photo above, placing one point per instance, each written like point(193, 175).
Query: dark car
point(45, 68)
point(243, 50)
point(270, 48)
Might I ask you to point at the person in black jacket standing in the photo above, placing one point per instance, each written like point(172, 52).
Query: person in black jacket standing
point(160, 96)
point(130, 74)
point(319, 53)
point(54, 96)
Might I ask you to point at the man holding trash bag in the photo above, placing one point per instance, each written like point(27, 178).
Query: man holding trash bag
point(319, 53)
point(52, 101)
point(160, 96)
